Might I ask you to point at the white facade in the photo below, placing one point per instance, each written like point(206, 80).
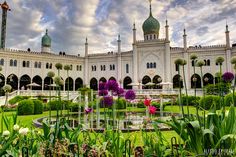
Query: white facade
point(150, 60)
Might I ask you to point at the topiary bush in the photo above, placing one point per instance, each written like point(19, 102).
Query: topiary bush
point(228, 99)
point(140, 104)
point(120, 103)
point(218, 88)
point(74, 107)
point(17, 99)
point(54, 104)
point(191, 100)
point(209, 101)
point(38, 107)
point(26, 107)
point(156, 104)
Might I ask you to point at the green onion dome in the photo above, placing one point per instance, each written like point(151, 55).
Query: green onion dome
point(151, 25)
point(46, 40)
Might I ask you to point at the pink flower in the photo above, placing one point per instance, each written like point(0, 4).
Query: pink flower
point(88, 110)
point(152, 109)
point(147, 102)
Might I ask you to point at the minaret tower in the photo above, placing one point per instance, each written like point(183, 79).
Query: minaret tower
point(5, 8)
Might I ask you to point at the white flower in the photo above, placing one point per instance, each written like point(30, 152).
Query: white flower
point(6, 133)
point(23, 131)
point(16, 127)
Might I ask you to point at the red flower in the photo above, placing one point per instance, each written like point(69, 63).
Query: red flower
point(152, 109)
point(147, 102)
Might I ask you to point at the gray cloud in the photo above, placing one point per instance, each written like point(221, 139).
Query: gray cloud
point(69, 23)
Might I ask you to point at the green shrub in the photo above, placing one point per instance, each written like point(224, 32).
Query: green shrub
point(17, 99)
point(74, 107)
point(191, 100)
point(209, 101)
point(54, 104)
point(140, 104)
point(38, 107)
point(155, 104)
point(26, 107)
point(216, 89)
point(228, 99)
point(120, 103)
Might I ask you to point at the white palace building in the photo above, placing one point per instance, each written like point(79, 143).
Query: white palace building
point(150, 60)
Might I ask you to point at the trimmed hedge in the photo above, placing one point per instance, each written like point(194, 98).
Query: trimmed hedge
point(120, 103)
point(192, 101)
point(26, 107)
point(217, 89)
point(209, 101)
point(74, 107)
point(140, 104)
point(55, 103)
point(17, 99)
point(38, 107)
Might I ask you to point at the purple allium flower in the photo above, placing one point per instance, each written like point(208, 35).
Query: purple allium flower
point(88, 110)
point(102, 92)
point(107, 101)
point(102, 86)
point(119, 92)
point(112, 85)
point(228, 76)
point(130, 95)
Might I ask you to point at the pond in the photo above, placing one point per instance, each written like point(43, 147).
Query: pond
point(124, 121)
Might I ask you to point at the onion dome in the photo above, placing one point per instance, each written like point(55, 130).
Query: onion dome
point(151, 25)
point(46, 40)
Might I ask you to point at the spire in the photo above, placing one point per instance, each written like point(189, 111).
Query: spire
point(46, 31)
point(118, 37)
point(184, 31)
point(134, 26)
point(86, 40)
point(150, 1)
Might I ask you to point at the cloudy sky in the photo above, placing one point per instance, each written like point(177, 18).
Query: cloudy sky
point(70, 21)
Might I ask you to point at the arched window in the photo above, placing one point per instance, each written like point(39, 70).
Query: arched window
point(154, 65)
point(24, 64)
point(28, 64)
point(192, 62)
point(101, 68)
point(80, 68)
point(147, 37)
point(154, 36)
point(208, 62)
point(113, 66)
point(150, 37)
point(50, 66)
point(110, 67)
point(15, 63)
point(104, 67)
point(176, 67)
point(205, 62)
point(47, 65)
point(35, 64)
point(39, 65)
point(2, 62)
point(11, 62)
point(127, 68)
point(148, 66)
point(151, 65)
point(77, 67)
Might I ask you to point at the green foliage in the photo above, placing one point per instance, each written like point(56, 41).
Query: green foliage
point(38, 107)
point(86, 90)
point(55, 103)
point(26, 107)
point(156, 104)
point(120, 103)
point(228, 99)
point(17, 99)
point(208, 101)
point(192, 100)
point(74, 107)
point(140, 104)
point(217, 89)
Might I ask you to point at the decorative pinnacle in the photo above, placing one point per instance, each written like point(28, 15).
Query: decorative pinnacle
point(86, 40)
point(150, 1)
point(46, 31)
point(134, 25)
point(119, 37)
point(5, 6)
